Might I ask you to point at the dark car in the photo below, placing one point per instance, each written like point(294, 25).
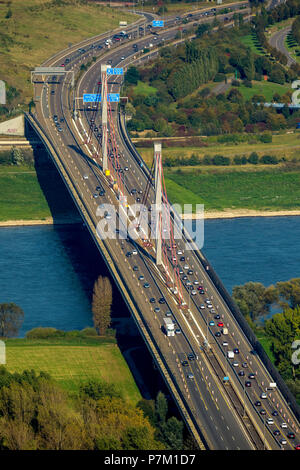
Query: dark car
point(236, 351)
point(258, 403)
point(263, 412)
point(135, 268)
point(184, 363)
point(152, 300)
point(251, 376)
point(276, 432)
point(129, 254)
point(291, 435)
point(191, 357)
point(248, 384)
point(162, 300)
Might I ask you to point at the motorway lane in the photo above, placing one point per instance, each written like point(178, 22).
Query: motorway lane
point(90, 85)
point(80, 167)
point(77, 168)
point(137, 169)
point(277, 40)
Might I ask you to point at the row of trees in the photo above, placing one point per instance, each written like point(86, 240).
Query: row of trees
point(36, 413)
point(190, 76)
point(282, 329)
point(296, 30)
point(221, 160)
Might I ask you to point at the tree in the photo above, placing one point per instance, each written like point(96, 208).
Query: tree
point(16, 156)
point(11, 319)
point(101, 304)
point(161, 407)
point(251, 299)
point(132, 76)
point(283, 329)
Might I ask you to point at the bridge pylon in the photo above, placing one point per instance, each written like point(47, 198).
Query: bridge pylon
point(104, 115)
point(158, 202)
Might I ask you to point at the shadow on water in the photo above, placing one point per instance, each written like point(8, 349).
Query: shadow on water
point(88, 264)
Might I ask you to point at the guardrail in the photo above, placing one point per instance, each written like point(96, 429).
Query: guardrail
point(117, 275)
point(257, 347)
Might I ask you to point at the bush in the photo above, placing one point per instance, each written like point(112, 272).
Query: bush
point(268, 160)
point(253, 158)
point(247, 83)
point(44, 333)
point(266, 138)
point(220, 77)
point(89, 331)
point(220, 160)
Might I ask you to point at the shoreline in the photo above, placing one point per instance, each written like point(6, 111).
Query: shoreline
point(238, 213)
point(226, 214)
point(46, 221)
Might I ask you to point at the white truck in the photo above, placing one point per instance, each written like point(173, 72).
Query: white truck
point(230, 354)
point(169, 326)
point(122, 23)
point(225, 331)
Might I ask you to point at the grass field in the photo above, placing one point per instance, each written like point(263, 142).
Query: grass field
point(33, 30)
point(21, 196)
point(265, 88)
point(74, 361)
point(287, 145)
point(143, 89)
point(263, 190)
point(26, 195)
point(250, 41)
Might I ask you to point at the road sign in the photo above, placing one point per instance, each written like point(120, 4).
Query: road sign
point(96, 98)
point(158, 23)
point(114, 71)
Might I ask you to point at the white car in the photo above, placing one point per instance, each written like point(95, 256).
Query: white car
point(263, 395)
point(196, 282)
point(85, 177)
point(179, 252)
point(270, 421)
point(194, 292)
point(134, 252)
point(283, 425)
point(225, 343)
point(235, 364)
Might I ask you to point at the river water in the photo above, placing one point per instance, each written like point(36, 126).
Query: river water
point(49, 271)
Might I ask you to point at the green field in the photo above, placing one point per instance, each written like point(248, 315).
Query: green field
point(21, 197)
point(33, 30)
point(282, 145)
point(250, 41)
point(143, 89)
point(74, 361)
point(263, 190)
point(265, 88)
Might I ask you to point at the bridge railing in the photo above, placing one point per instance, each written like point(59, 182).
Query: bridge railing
point(256, 345)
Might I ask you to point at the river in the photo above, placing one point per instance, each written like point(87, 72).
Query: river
point(49, 271)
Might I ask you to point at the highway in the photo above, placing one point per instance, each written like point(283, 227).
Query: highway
point(277, 40)
point(225, 417)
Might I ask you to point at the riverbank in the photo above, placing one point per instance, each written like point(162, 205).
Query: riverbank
point(232, 214)
point(47, 221)
point(226, 214)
